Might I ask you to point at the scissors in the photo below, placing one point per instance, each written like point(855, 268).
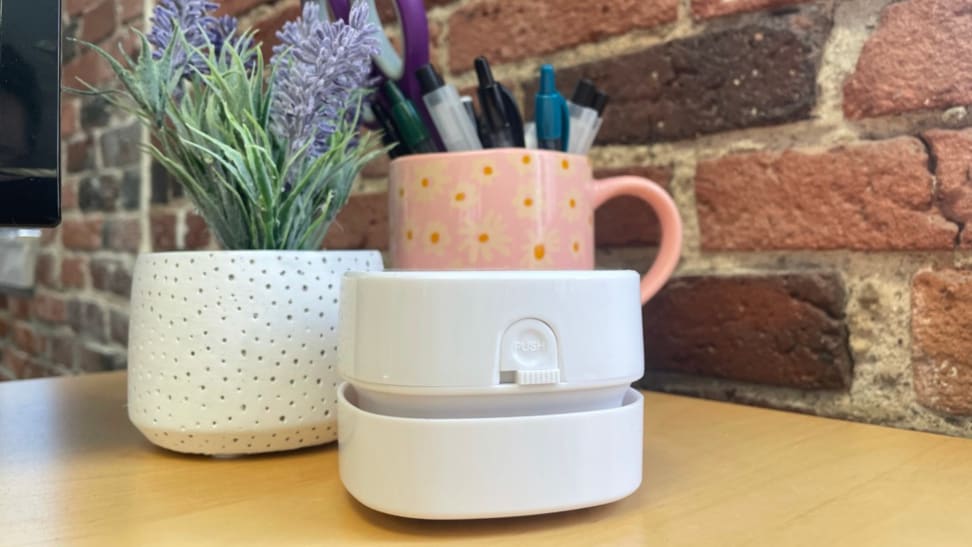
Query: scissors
point(415, 37)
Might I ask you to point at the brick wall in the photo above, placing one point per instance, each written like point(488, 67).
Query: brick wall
point(819, 152)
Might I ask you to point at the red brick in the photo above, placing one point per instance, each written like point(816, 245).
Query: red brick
point(376, 168)
point(688, 87)
point(50, 308)
point(69, 111)
point(4, 327)
point(111, 275)
point(27, 340)
point(361, 224)
point(941, 320)
point(267, 27)
point(123, 234)
point(869, 196)
point(76, 7)
point(129, 9)
point(703, 9)
point(783, 330)
point(236, 7)
point(94, 359)
point(87, 67)
point(163, 231)
point(628, 220)
point(98, 23)
point(118, 327)
point(72, 271)
point(953, 163)
point(19, 307)
point(47, 270)
point(507, 31)
point(919, 57)
point(69, 193)
point(79, 156)
point(16, 361)
point(83, 234)
point(197, 232)
point(48, 236)
point(63, 348)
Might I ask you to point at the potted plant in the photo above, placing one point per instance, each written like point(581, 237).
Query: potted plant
point(233, 351)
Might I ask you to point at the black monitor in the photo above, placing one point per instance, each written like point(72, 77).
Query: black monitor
point(30, 81)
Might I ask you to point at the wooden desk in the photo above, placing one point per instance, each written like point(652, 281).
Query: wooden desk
point(74, 471)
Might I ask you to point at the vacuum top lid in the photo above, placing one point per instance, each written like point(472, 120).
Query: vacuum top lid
point(479, 329)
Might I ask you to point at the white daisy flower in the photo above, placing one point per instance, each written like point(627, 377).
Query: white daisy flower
point(485, 240)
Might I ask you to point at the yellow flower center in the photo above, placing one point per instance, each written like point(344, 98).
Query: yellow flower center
point(528, 202)
point(483, 238)
point(434, 237)
point(487, 170)
point(425, 183)
point(460, 196)
point(564, 163)
point(539, 251)
point(526, 159)
point(408, 235)
point(576, 247)
point(573, 203)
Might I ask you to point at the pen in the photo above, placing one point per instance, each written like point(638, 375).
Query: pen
point(552, 117)
point(467, 102)
point(413, 133)
point(583, 117)
point(600, 101)
point(502, 124)
point(447, 111)
point(389, 134)
point(530, 135)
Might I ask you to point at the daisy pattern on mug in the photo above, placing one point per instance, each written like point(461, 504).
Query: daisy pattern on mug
point(525, 164)
point(463, 195)
point(526, 201)
point(410, 236)
point(427, 183)
point(486, 239)
point(435, 238)
point(541, 253)
point(571, 206)
point(576, 244)
point(485, 169)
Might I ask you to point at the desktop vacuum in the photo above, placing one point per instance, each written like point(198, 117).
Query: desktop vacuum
point(477, 394)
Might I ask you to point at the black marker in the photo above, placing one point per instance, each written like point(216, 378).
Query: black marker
point(389, 135)
point(502, 124)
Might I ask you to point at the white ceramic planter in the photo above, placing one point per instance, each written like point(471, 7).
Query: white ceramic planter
point(234, 352)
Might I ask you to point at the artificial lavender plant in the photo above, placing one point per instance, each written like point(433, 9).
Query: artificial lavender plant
point(266, 153)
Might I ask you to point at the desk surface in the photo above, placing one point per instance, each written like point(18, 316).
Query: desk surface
point(74, 471)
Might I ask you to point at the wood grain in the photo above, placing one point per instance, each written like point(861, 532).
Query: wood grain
point(73, 471)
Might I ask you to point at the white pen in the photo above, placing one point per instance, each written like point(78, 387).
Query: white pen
point(598, 104)
point(530, 135)
point(447, 111)
point(583, 118)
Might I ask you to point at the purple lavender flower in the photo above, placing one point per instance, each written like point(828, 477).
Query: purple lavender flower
point(318, 68)
point(192, 19)
point(199, 28)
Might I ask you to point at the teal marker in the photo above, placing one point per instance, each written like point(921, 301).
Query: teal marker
point(413, 133)
point(552, 115)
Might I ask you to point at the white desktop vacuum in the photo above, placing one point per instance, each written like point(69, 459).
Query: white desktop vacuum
point(474, 394)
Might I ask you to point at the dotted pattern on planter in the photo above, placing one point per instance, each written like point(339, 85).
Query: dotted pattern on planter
point(235, 352)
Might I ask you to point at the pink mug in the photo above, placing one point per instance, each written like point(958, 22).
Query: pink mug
point(513, 209)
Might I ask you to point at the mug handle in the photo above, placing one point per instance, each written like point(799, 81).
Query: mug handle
point(670, 246)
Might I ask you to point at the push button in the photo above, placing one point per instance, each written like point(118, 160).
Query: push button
point(528, 354)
